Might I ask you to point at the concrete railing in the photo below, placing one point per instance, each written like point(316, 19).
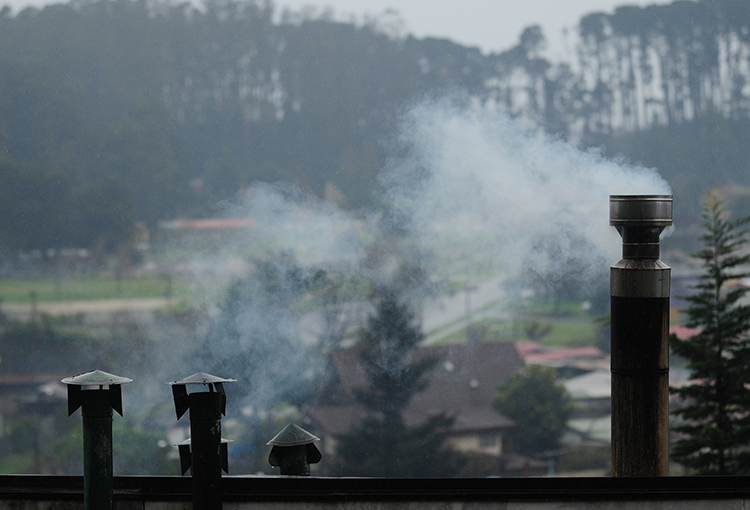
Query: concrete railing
point(290, 493)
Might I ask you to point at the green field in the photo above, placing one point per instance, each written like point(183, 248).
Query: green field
point(13, 290)
point(564, 332)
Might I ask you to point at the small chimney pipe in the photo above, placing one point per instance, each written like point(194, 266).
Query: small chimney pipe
point(639, 294)
point(97, 393)
point(206, 452)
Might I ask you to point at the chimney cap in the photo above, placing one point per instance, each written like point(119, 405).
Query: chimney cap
point(640, 210)
point(96, 378)
point(292, 435)
point(201, 378)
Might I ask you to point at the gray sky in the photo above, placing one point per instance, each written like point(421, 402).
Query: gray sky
point(492, 25)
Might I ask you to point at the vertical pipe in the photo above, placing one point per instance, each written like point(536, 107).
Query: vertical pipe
point(639, 293)
point(96, 410)
point(205, 444)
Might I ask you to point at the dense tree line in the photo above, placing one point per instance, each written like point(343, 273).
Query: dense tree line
point(159, 109)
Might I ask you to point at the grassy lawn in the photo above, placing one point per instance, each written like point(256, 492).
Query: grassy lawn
point(589, 459)
point(16, 463)
point(88, 288)
point(567, 332)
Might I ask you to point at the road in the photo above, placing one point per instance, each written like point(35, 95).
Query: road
point(440, 316)
point(450, 313)
point(101, 309)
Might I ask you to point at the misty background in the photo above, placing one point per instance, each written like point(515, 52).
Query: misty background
point(358, 156)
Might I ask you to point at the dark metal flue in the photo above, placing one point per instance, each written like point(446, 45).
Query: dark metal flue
point(205, 452)
point(639, 289)
point(97, 393)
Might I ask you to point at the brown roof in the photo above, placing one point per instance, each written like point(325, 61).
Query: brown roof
point(461, 385)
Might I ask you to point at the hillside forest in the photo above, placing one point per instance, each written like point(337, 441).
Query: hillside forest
point(122, 112)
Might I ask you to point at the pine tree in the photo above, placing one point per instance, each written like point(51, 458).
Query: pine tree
point(382, 444)
point(714, 418)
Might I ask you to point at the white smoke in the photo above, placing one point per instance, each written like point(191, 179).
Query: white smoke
point(469, 187)
point(479, 184)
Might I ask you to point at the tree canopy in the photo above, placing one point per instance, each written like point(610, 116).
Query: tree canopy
point(540, 406)
point(184, 106)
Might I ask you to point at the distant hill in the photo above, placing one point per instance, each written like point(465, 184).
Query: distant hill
point(113, 111)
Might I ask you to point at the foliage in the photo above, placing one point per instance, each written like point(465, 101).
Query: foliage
point(40, 347)
point(382, 444)
point(185, 105)
point(42, 211)
point(539, 405)
point(584, 458)
point(141, 452)
point(714, 418)
point(33, 204)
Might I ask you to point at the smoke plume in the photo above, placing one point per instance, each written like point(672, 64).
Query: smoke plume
point(479, 186)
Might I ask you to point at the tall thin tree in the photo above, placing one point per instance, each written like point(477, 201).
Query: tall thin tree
point(383, 444)
point(713, 420)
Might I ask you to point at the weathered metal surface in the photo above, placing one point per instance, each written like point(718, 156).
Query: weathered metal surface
point(186, 459)
point(639, 289)
point(205, 450)
point(293, 451)
point(292, 435)
point(96, 378)
point(212, 384)
point(97, 393)
point(105, 381)
point(640, 210)
point(640, 278)
point(205, 453)
point(202, 378)
point(640, 379)
point(97, 450)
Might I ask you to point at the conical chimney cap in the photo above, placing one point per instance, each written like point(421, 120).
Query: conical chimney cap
point(96, 377)
point(202, 378)
point(292, 435)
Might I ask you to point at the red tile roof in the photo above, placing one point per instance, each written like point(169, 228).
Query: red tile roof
point(682, 332)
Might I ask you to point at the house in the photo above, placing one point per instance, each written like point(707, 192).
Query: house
point(461, 386)
point(566, 361)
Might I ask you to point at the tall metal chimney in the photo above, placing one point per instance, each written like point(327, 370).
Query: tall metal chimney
point(639, 290)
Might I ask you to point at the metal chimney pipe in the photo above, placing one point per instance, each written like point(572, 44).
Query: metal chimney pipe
point(639, 293)
point(97, 393)
point(206, 452)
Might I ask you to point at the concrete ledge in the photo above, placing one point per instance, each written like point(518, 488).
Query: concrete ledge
point(148, 491)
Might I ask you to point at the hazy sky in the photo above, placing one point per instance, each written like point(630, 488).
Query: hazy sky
point(492, 25)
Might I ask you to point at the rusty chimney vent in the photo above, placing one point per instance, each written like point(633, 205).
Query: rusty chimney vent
point(639, 293)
